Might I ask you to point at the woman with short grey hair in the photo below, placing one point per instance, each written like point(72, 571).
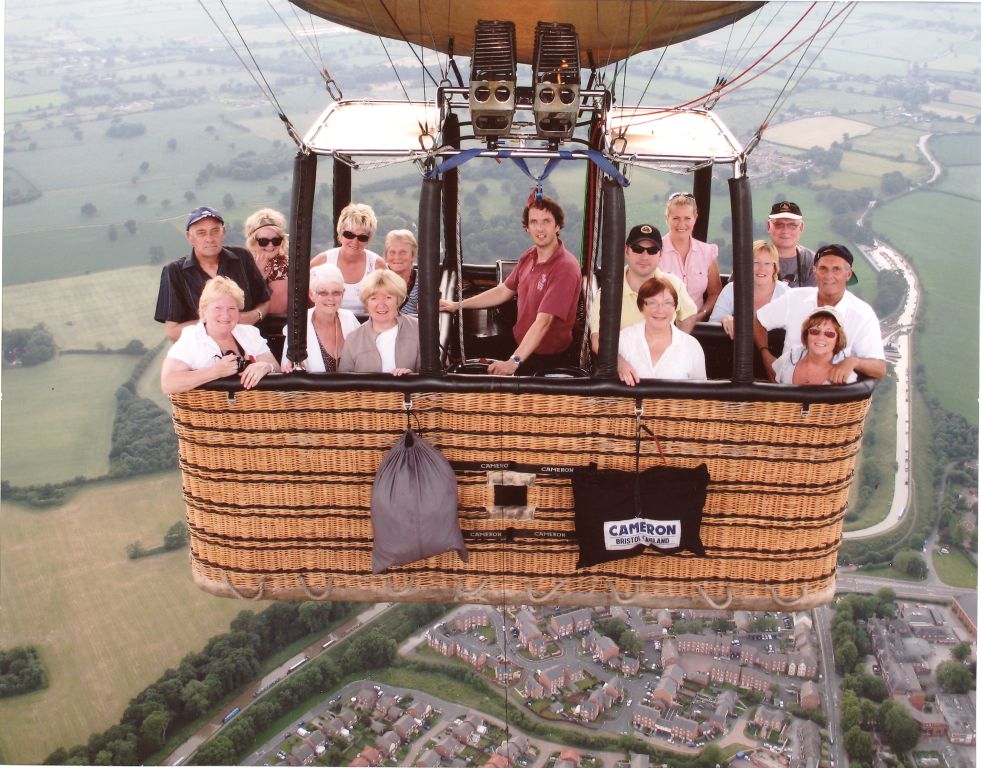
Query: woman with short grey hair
point(328, 324)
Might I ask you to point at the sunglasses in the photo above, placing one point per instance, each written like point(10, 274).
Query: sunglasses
point(351, 236)
point(265, 242)
point(652, 249)
point(826, 331)
point(685, 195)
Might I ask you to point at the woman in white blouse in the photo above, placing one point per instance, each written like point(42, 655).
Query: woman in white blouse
point(656, 348)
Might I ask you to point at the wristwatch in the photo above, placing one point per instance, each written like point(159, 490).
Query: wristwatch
point(516, 359)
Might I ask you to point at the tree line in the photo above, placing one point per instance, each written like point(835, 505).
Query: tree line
point(202, 681)
point(176, 537)
point(28, 346)
point(21, 671)
point(866, 706)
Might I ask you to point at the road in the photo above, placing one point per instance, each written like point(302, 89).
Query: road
point(822, 626)
point(899, 338)
point(185, 750)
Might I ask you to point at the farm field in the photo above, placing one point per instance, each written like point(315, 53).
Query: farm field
point(816, 131)
point(950, 359)
point(108, 308)
point(57, 417)
point(106, 626)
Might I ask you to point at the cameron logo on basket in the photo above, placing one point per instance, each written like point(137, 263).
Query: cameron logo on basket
point(624, 534)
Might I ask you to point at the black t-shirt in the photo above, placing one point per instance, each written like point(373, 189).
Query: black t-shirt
point(182, 281)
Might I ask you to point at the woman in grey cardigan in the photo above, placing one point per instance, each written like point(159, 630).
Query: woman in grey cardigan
point(388, 342)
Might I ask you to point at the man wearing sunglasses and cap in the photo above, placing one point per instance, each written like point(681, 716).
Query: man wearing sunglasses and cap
point(642, 256)
point(786, 225)
point(833, 270)
point(182, 281)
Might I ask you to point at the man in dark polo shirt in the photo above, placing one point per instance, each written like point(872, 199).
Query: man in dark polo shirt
point(182, 281)
point(547, 282)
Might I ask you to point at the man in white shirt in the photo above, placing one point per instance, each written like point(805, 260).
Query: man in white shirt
point(833, 269)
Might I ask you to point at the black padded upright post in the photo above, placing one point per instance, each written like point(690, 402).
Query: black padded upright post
point(429, 207)
point(702, 190)
point(742, 274)
point(341, 192)
point(451, 195)
point(613, 233)
point(301, 234)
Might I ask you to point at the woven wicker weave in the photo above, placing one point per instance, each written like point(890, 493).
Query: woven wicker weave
point(278, 487)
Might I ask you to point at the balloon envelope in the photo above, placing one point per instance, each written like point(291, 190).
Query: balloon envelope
point(609, 30)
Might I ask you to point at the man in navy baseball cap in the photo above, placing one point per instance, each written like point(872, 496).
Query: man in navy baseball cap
point(182, 281)
point(200, 213)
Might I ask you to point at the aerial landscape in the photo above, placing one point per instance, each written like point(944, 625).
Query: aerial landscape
point(122, 117)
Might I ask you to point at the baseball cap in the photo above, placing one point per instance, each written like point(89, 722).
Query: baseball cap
point(828, 310)
point(786, 210)
point(645, 232)
point(837, 249)
point(203, 212)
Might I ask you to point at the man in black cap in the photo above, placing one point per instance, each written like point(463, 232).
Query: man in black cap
point(182, 281)
point(642, 257)
point(786, 225)
point(863, 352)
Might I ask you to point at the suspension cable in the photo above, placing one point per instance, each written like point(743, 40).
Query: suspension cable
point(730, 84)
point(402, 34)
point(786, 91)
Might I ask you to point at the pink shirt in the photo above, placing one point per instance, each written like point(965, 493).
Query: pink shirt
point(695, 272)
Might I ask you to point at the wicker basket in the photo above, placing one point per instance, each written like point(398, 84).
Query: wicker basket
point(278, 486)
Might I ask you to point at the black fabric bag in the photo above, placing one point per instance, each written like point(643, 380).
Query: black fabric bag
point(414, 505)
point(620, 514)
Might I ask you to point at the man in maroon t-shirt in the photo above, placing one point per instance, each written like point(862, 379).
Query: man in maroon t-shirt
point(547, 282)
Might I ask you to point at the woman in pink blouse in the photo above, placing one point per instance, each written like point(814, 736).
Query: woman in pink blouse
point(695, 262)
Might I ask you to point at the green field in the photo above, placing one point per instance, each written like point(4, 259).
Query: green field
point(110, 308)
point(878, 447)
point(105, 626)
point(956, 569)
point(957, 149)
point(57, 417)
point(950, 277)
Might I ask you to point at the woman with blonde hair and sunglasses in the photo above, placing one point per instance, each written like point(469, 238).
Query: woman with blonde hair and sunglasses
point(355, 227)
point(823, 336)
point(267, 241)
point(766, 286)
point(695, 262)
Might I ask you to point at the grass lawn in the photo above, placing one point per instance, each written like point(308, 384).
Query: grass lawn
point(57, 417)
point(879, 448)
point(887, 572)
point(443, 686)
point(105, 626)
point(956, 569)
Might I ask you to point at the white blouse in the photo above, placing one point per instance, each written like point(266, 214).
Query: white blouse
point(683, 359)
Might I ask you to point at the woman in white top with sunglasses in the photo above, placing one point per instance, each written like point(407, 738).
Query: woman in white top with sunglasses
point(355, 227)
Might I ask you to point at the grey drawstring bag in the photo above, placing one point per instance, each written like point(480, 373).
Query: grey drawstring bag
point(414, 506)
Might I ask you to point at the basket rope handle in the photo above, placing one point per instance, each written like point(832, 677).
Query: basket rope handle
point(541, 599)
point(464, 595)
point(258, 594)
point(393, 591)
point(302, 578)
point(708, 599)
point(788, 603)
point(615, 594)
